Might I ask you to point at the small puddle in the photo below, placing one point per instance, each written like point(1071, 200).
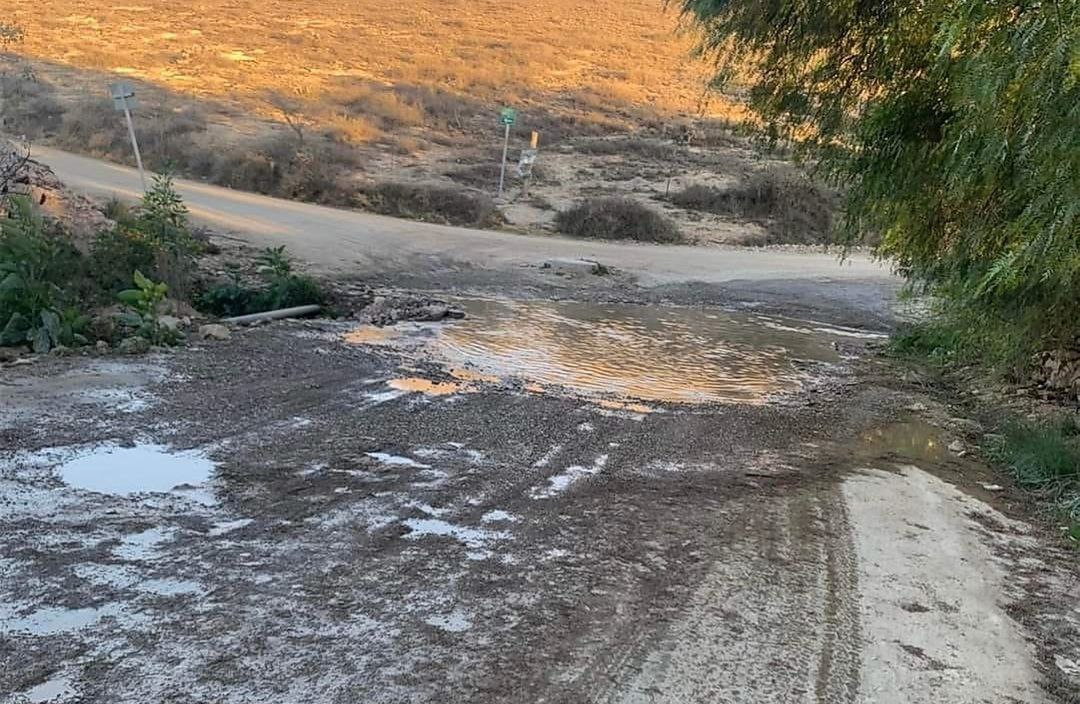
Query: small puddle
point(50, 690)
point(417, 384)
point(53, 620)
point(643, 353)
point(111, 469)
point(456, 621)
point(912, 441)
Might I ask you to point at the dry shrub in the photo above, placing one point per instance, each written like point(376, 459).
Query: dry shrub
point(382, 105)
point(351, 130)
point(281, 165)
point(93, 126)
point(631, 146)
point(432, 203)
point(27, 105)
point(167, 136)
point(617, 219)
point(794, 209)
point(440, 107)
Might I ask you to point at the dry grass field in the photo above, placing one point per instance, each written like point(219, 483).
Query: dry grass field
point(331, 101)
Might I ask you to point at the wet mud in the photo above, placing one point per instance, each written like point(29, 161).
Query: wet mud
point(315, 513)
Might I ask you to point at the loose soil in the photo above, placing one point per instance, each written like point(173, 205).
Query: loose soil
point(385, 522)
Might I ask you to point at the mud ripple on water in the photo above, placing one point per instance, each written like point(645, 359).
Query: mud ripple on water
point(645, 353)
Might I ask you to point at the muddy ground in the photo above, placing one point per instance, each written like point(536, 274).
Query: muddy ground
point(319, 512)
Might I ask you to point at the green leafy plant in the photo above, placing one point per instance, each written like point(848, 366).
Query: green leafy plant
point(118, 252)
point(228, 299)
point(33, 264)
point(141, 314)
point(282, 289)
point(163, 222)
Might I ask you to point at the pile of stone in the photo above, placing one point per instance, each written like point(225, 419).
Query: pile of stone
point(1058, 371)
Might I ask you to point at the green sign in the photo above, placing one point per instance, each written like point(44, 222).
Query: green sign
point(508, 116)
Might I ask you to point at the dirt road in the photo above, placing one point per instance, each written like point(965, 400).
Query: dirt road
point(352, 242)
point(311, 512)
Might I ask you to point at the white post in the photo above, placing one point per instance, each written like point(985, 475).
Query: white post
point(134, 143)
point(502, 171)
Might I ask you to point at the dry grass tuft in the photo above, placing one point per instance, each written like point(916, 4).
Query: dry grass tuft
point(616, 219)
point(432, 203)
point(794, 209)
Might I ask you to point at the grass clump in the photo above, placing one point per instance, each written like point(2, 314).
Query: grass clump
point(616, 219)
point(432, 203)
point(794, 209)
point(1044, 458)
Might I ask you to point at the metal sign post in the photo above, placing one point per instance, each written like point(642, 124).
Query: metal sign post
point(507, 117)
point(526, 161)
point(123, 95)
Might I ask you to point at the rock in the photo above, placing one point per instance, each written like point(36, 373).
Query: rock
point(78, 213)
point(958, 448)
point(12, 354)
point(965, 426)
point(102, 346)
point(134, 345)
point(916, 407)
point(170, 321)
point(992, 487)
point(571, 267)
point(175, 308)
point(214, 331)
point(60, 351)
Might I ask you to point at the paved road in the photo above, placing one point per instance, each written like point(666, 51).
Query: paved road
point(336, 239)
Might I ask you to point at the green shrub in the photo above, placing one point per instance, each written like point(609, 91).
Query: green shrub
point(141, 305)
point(616, 219)
point(951, 126)
point(35, 264)
point(282, 288)
point(163, 222)
point(118, 252)
point(228, 299)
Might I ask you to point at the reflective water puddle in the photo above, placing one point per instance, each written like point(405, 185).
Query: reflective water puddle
point(111, 469)
point(645, 353)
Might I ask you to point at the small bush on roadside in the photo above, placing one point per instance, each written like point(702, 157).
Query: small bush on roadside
point(91, 126)
point(282, 288)
point(140, 315)
point(432, 203)
point(163, 222)
point(794, 209)
point(617, 219)
point(285, 289)
point(228, 299)
point(118, 252)
point(35, 265)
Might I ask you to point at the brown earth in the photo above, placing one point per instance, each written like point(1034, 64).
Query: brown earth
point(406, 94)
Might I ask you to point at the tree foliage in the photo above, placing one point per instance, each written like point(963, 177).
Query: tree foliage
point(954, 126)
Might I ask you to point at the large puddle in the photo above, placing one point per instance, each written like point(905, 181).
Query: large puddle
point(111, 469)
point(649, 353)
